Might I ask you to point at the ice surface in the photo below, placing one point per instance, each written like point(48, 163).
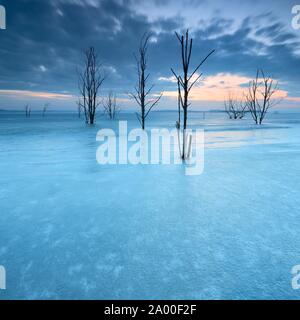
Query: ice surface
point(73, 229)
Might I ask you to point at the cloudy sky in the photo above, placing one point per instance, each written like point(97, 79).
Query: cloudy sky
point(42, 48)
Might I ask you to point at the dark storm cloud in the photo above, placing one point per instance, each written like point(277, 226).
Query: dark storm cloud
point(43, 44)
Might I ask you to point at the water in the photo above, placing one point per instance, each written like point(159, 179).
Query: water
point(73, 229)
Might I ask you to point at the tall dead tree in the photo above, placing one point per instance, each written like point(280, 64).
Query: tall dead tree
point(260, 96)
point(185, 82)
point(142, 91)
point(234, 108)
point(110, 106)
point(90, 82)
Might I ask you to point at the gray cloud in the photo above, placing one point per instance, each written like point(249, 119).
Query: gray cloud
point(43, 44)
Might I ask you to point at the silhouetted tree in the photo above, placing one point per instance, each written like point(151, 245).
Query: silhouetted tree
point(90, 81)
point(141, 90)
point(260, 96)
point(45, 108)
point(110, 106)
point(185, 83)
point(27, 111)
point(234, 108)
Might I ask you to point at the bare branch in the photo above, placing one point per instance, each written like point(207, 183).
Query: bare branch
point(200, 64)
point(153, 104)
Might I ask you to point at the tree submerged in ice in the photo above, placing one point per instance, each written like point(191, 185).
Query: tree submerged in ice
point(142, 90)
point(261, 96)
point(185, 83)
point(110, 106)
point(90, 82)
point(234, 107)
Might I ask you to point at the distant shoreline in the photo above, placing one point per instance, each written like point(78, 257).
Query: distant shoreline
point(281, 111)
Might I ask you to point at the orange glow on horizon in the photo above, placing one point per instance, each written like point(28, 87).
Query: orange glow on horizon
point(218, 87)
point(19, 94)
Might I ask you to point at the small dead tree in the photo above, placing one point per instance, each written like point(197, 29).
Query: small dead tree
point(142, 91)
point(90, 82)
point(27, 111)
point(260, 96)
point(110, 106)
point(234, 108)
point(45, 108)
point(185, 83)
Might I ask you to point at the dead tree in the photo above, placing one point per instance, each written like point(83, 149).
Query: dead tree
point(185, 83)
point(90, 82)
point(260, 96)
point(45, 108)
point(27, 111)
point(234, 108)
point(110, 106)
point(142, 91)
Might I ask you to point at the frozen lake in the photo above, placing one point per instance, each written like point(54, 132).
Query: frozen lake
point(73, 229)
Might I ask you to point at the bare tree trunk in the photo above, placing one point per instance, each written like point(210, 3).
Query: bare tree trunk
point(90, 82)
point(252, 98)
point(27, 111)
point(141, 91)
point(110, 106)
point(259, 98)
point(186, 81)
